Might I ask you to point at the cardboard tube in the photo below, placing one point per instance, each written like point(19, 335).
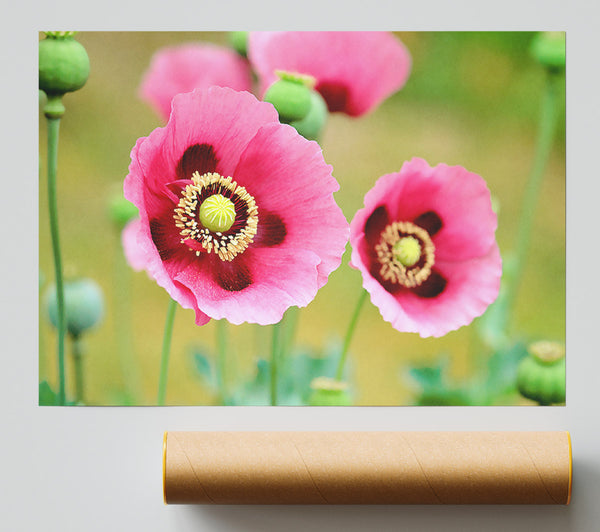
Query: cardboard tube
point(367, 467)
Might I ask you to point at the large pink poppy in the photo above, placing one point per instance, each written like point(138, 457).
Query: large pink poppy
point(354, 70)
point(237, 216)
point(187, 67)
point(425, 245)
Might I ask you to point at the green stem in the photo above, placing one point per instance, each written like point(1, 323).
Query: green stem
point(41, 340)
point(349, 333)
point(78, 365)
point(164, 358)
point(547, 127)
point(291, 324)
point(275, 347)
point(53, 127)
point(222, 359)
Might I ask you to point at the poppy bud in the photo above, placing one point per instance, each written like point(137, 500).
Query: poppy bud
point(84, 305)
point(121, 211)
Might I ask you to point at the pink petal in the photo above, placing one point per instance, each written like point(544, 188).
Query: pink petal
point(140, 250)
point(280, 279)
point(366, 67)
point(134, 253)
point(218, 117)
point(192, 66)
point(472, 286)
point(288, 176)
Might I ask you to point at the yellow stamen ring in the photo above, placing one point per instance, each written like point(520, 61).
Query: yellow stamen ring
point(397, 254)
point(231, 238)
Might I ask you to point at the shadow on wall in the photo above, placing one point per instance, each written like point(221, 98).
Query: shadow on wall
point(380, 518)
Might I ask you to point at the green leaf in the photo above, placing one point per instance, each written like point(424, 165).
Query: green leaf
point(492, 326)
point(203, 365)
point(437, 389)
point(47, 397)
point(502, 370)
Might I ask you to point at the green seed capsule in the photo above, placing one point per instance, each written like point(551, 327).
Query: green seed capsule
point(312, 124)
point(549, 49)
point(329, 392)
point(64, 65)
point(239, 42)
point(84, 305)
point(541, 376)
point(291, 96)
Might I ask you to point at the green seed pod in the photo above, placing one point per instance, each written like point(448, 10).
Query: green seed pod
point(121, 211)
point(64, 65)
point(291, 96)
point(239, 42)
point(329, 392)
point(84, 305)
point(549, 49)
point(312, 124)
point(541, 375)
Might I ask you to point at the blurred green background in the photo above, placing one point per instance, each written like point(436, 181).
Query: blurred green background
point(473, 99)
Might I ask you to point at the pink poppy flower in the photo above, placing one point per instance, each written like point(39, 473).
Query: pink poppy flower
point(237, 216)
point(192, 66)
point(425, 245)
point(354, 70)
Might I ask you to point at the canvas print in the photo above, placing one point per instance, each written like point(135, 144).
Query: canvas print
point(302, 218)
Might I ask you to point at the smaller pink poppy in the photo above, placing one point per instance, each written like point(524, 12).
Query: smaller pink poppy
point(425, 245)
point(187, 67)
point(354, 70)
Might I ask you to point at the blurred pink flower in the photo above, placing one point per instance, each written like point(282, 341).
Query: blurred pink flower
point(425, 245)
point(354, 70)
point(192, 66)
point(227, 151)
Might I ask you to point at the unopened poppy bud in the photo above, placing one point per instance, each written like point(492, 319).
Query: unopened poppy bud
point(541, 375)
point(84, 305)
point(239, 42)
point(312, 124)
point(549, 49)
point(329, 392)
point(121, 211)
point(291, 96)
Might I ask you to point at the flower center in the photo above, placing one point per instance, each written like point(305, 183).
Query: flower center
point(407, 251)
point(406, 254)
point(216, 215)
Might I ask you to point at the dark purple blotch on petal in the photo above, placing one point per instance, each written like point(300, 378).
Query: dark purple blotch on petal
point(334, 94)
point(432, 287)
point(389, 286)
point(232, 276)
point(199, 158)
point(375, 224)
point(166, 243)
point(429, 221)
point(271, 230)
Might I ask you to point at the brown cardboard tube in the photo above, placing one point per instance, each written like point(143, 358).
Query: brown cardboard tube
point(367, 467)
